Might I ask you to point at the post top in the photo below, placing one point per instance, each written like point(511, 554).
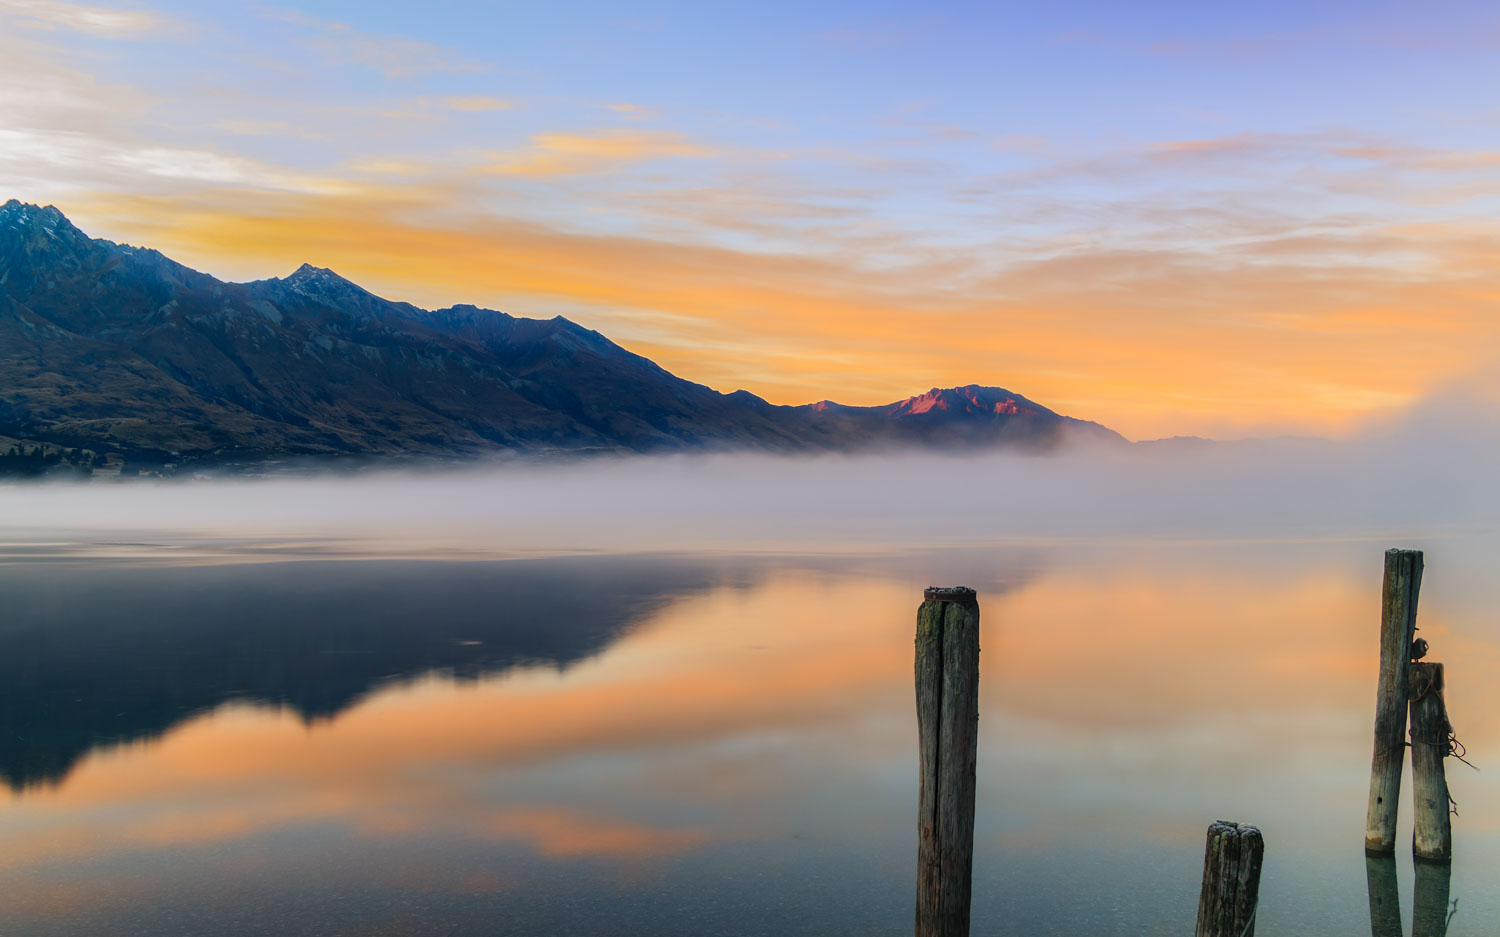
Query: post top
point(949, 594)
point(1231, 826)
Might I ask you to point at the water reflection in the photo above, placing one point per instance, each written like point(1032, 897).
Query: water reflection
point(103, 655)
point(1430, 905)
point(737, 755)
point(1385, 899)
point(1432, 908)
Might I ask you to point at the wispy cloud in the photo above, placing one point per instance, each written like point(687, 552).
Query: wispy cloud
point(392, 56)
point(567, 154)
point(1467, 31)
point(477, 102)
point(1428, 158)
point(96, 21)
point(267, 128)
point(760, 204)
point(1237, 48)
point(1282, 166)
point(921, 131)
point(632, 111)
point(68, 160)
point(390, 167)
point(63, 131)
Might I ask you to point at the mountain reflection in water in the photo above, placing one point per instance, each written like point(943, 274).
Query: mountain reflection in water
point(97, 656)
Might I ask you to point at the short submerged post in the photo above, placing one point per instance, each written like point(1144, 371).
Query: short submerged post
point(1231, 880)
point(947, 672)
point(1398, 621)
point(1432, 839)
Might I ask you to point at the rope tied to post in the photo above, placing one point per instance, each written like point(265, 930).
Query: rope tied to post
point(1444, 737)
point(1457, 750)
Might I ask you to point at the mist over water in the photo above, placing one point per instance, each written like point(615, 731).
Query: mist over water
point(1430, 476)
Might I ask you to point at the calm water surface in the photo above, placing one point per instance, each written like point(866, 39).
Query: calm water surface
point(200, 743)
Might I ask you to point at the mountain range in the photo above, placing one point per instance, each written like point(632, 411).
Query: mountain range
point(121, 353)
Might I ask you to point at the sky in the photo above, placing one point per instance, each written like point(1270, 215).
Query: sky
point(1218, 219)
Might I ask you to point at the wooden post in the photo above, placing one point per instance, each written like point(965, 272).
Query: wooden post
point(1385, 900)
point(1231, 880)
point(1398, 621)
point(1429, 917)
point(1432, 840)
point(947, 671)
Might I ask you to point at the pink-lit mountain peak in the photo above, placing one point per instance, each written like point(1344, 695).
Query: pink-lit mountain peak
point(957, 417)
point(966, 400)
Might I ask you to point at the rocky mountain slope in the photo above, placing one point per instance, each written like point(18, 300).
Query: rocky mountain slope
point(120, 350)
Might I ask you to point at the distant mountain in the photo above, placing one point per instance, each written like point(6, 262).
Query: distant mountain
point(1177, 444)
point(1189, 445)
point(122, 352)
point(957, 416)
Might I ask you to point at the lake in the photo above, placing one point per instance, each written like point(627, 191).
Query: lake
point(236, 738)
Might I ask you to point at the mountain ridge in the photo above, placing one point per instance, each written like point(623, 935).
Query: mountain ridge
point(122, 352)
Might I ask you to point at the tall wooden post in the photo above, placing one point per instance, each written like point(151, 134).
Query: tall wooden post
point(1398, 621)
point(947, 671)
point(1385, 899)
point(1231, 880)
point(1433, 837)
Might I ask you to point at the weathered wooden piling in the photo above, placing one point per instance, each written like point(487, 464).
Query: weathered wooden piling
point(1432, 839)
point(1429, 917)
point(1231, 880)
point(1398, 621)
point(1385, 899)
point(947, 672)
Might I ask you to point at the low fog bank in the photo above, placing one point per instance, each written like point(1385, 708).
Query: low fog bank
point(1433, 474)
